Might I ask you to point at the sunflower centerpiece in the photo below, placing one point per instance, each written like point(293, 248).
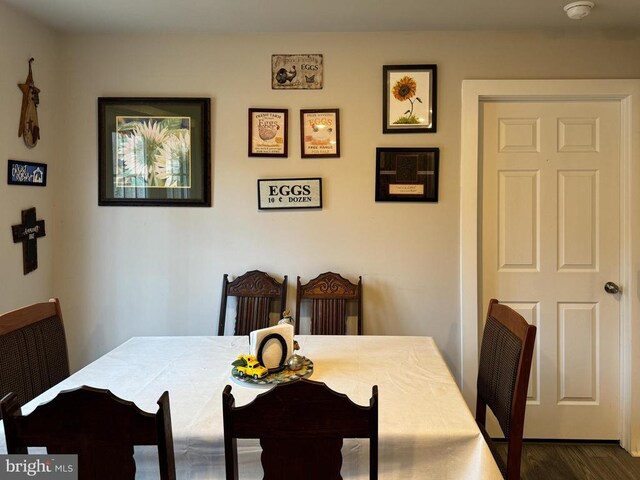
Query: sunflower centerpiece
point(405, 89)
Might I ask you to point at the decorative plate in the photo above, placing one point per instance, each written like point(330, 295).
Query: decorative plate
point(284, 376)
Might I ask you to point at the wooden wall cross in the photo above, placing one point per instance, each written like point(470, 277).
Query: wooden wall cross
point(27, 233)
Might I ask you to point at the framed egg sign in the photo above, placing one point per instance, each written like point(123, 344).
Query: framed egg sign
point(268, 132)
point(297, 71)
point(289, 193)
point(320, 133)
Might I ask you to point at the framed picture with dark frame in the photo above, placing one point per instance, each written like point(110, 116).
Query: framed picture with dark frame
point(154, 151)
point(268, 132)
point(320, 133)
point(409, 98)
point(408, 174)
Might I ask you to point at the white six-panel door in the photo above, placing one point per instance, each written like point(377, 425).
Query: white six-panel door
point(550, 242)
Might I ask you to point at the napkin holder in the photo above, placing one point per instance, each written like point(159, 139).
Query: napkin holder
point(272, 346)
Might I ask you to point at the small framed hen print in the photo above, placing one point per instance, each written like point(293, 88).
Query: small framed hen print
point(268, 132)
point(320, 133)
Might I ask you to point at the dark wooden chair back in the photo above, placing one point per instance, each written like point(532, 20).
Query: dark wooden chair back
point(254, 290)
point(301, 426)
point(33, 350)
point(503, 379)
point(97, 426)
point(329, 293)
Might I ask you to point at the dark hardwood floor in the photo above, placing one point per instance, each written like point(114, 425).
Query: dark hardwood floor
point(575, 461)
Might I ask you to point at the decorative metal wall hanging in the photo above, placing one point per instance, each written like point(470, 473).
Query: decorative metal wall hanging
point(296, 72)
point(29, 128)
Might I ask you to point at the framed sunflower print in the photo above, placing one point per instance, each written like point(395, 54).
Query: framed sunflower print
point(268, 132)
point(154, 151)
point(409, 98)
point(320, 133)
point(408, 174)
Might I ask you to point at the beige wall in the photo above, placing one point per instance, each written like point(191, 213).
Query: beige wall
point(144, 271)
point(21, 39)
point(154, 271)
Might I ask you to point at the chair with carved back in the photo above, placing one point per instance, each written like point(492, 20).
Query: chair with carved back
point(329, 293)
point(33, 350)
point(255, 291)
point(99, 427)
point(506, 354)
point(301, 413)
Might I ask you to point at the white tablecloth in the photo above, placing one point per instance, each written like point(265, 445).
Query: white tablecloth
point(426, 430)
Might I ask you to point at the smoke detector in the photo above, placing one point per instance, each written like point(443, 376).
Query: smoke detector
point(578, 10)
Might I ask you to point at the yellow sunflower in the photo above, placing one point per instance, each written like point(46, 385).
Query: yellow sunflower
point(405, 88)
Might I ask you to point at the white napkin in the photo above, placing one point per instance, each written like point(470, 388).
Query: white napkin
point(273, 348)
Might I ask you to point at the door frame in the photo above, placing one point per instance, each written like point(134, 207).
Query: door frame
point(627, 92)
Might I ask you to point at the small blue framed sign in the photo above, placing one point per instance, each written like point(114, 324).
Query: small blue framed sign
point(27, 173)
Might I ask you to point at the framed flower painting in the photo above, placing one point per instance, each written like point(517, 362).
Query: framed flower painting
point(409, 98)
point(154, 151)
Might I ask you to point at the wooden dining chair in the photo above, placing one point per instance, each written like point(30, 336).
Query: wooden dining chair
point(329, 293)
point(99, 427)
point(33, 350)
point(255, 291)
point(301, 426)
point(503, 379)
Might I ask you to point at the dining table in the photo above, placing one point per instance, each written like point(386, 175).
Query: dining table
point(425, 428)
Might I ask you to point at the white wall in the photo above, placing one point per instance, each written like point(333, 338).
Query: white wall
point(21, 39)
point(123, 271)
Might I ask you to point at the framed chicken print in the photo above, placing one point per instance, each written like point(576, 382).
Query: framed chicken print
point(320, 133)
point(409, 98)
point(268, 132)
point(297, 71)
point(154, 151)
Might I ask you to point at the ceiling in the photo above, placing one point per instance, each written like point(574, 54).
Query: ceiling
point(229, 16)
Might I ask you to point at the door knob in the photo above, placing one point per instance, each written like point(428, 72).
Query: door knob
point(611, 288)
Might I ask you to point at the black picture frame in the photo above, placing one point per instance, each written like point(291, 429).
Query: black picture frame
point(268, 132)
point(289, 193)
point(154, 151)
point(407, 174)
point(30, 174)
point(409, 98)
point(320, 133)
